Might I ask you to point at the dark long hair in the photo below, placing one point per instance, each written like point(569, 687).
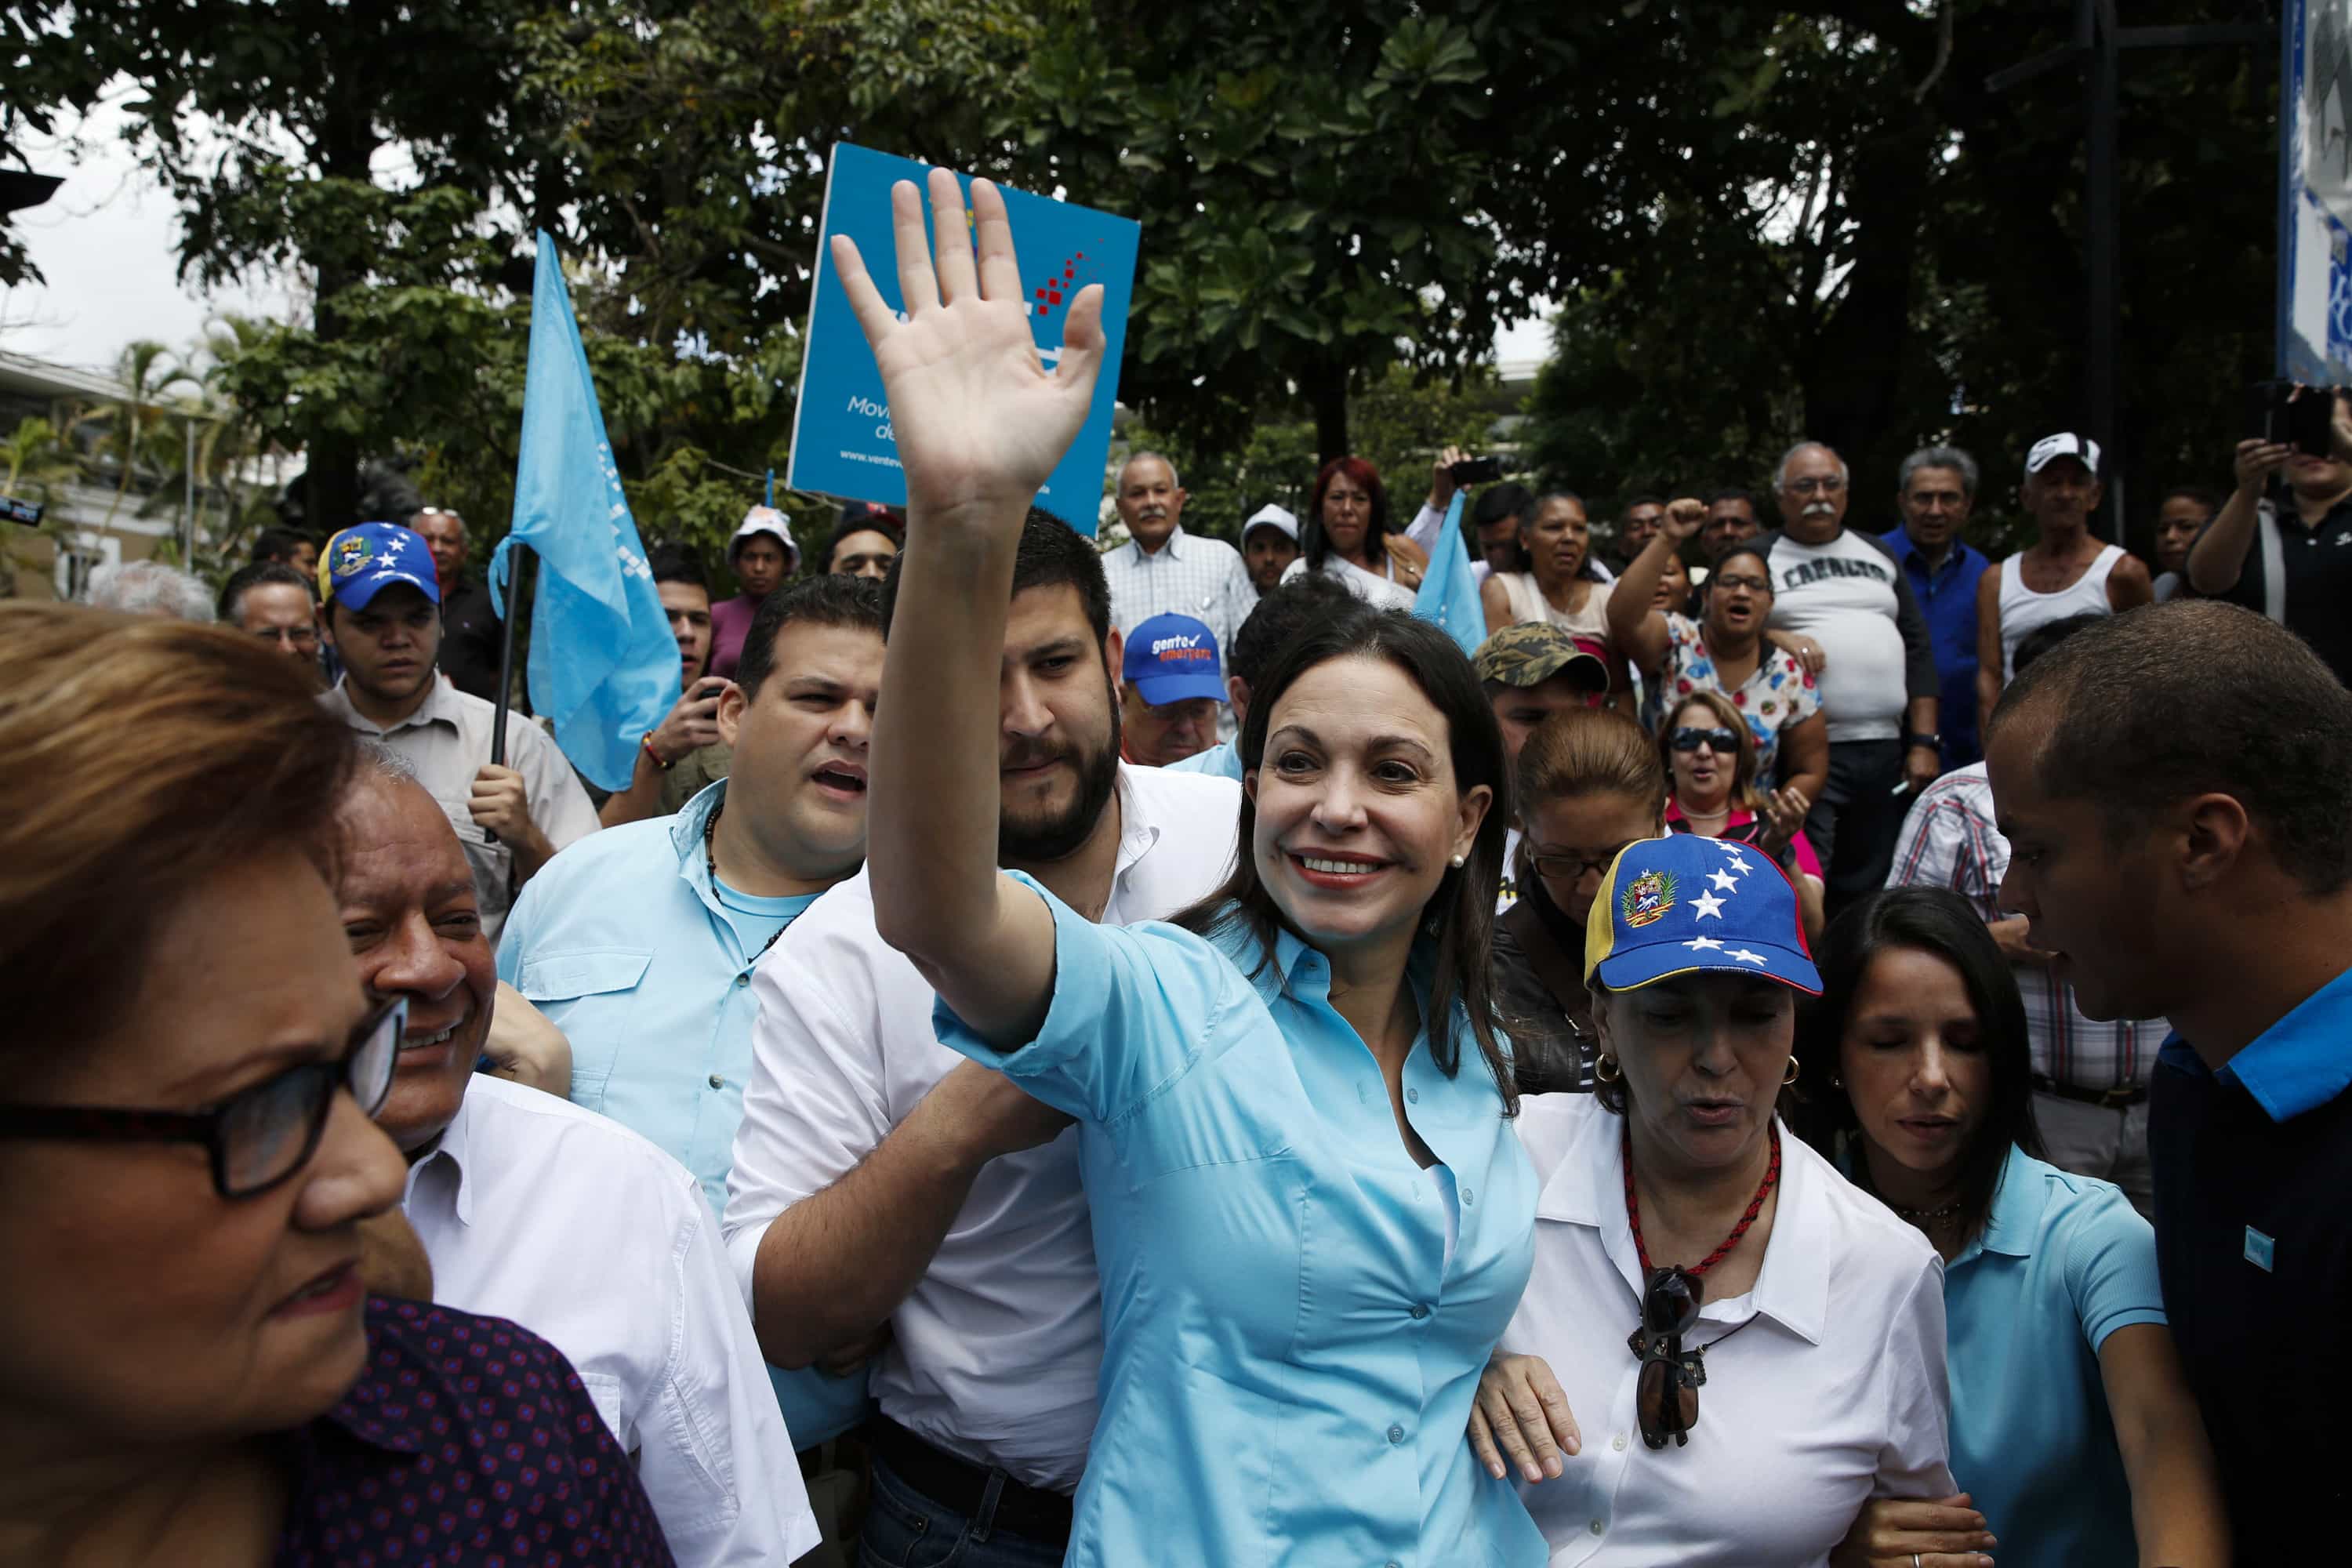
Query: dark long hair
point(1461, 912)
point(1312, 541)
point(1939, 922)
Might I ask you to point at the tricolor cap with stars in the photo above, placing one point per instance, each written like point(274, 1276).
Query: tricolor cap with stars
point(360, 563)
point(1687, 904)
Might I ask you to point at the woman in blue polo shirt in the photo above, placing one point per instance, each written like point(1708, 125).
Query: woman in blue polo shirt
point(2073, 1431)
point(1310, 1210)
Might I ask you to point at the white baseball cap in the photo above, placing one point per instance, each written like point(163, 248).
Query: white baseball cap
point(1273, 517)
point(2065, 443)
point(766, 519)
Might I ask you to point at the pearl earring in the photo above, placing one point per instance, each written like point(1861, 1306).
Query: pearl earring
point(1458, 861)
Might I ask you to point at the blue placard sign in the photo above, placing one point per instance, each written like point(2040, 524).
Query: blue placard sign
point(841, 443)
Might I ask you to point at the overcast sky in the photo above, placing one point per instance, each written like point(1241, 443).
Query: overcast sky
point(105, 243)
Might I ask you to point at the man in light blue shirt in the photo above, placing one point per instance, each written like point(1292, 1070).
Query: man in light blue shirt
point(1279, 615)
point(640, 948)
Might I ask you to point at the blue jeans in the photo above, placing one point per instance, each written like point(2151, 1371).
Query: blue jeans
point(903, 1529)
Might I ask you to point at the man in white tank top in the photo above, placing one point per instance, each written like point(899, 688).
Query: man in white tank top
point(2066, 571)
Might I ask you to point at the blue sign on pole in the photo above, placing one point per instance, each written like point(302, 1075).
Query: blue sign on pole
point(841, 443)
point(2315, 281)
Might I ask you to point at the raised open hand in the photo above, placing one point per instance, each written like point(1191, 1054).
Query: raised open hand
point(979, 422)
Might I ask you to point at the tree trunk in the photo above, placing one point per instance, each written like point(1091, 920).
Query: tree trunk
point(1327, 393)
point(1855, 372)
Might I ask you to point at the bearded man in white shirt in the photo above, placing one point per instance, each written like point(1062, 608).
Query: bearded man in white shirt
point(881, 1182)
point(570, 1224)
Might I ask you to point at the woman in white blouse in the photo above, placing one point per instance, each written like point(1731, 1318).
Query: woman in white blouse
point(1350, 535)
point(1752, 1348)
point(1556, 580)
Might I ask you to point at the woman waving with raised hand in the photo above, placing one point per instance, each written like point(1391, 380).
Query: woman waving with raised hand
point(1312, 1214)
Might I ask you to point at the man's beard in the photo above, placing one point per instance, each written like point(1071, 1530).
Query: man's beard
point(1040, 843)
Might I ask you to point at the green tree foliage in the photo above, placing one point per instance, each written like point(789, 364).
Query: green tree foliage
point(1758, 220)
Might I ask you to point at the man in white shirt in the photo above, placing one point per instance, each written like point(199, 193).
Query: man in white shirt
point(1162, 570)
point(383, 618)
point(1843, 606)
point(572, 1225)
point(881, 1182)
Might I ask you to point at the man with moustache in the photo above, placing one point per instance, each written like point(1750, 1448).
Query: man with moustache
point(1936, 487)
point(532, 1209)
point(1162, 570)
point(1843, 605)
point(639, 945)
point(473, 638)
point(2173, 789)
point(880, 1181)
point(383, 618)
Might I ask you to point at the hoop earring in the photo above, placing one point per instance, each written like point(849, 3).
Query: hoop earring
point(1789, 1076)
point(1605, 1069)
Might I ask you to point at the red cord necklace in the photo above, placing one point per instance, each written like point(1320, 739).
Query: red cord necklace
point(1755, 1207)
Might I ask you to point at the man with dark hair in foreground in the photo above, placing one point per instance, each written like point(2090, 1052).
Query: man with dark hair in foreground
point(881, 1181)
point(639, 944)
point(2174, 786)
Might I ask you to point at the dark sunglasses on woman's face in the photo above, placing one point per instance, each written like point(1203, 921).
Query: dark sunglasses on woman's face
point(257, 1137)
point(1665, 1400)
point(1724, 743)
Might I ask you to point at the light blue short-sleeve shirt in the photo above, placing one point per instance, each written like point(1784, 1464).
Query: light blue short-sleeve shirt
point(630, 949)
point(1289, 1357)
point(2063, 1262)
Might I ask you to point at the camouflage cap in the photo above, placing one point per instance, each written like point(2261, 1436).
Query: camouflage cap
point(1532, 652)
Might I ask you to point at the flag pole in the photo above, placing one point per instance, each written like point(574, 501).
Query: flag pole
point(522, 575)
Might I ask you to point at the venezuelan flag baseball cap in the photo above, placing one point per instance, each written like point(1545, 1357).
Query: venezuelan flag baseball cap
point(361, 563)
point(1686, 904)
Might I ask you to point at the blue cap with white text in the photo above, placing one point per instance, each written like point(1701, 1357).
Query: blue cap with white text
point(1173, 659)
point(361, 563)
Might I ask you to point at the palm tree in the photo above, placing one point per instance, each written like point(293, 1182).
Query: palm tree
point(146, 370)
point(35, 463)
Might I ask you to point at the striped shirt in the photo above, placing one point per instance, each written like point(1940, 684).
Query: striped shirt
point(1188, 575)
point(1949, 841)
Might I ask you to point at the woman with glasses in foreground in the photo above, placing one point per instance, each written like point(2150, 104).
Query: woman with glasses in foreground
point(2073, 1426)
point(191, 1369)
point(1725, 1351)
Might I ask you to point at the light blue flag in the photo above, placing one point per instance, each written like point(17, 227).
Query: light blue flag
point(1448, 595)
point(604, 664)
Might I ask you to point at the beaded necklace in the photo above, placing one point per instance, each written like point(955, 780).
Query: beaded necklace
point(1755, 1207)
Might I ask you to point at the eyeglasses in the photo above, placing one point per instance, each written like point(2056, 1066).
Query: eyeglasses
point(257, 1137)
point(1722, 742)
point(1666, 1398)
point(298, 637)
point(1567, 866)
point(1828, 486)
point(1753, 584)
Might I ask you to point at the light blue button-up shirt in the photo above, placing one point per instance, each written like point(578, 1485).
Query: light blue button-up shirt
point(624, 942)
point(1289, 1356)
point(2063, 1262)
point(1223, 760)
